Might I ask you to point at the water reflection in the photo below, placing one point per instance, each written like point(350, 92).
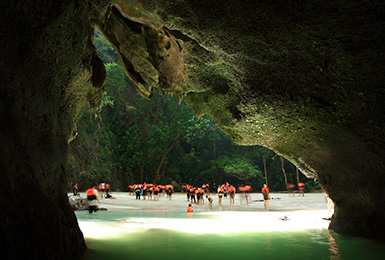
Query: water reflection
point(335, 254)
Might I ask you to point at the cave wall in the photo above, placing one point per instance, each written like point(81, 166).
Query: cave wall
point(49, 70)
point(304, 78)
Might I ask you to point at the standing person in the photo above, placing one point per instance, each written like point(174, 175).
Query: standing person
point(290, 189)
point(101, 189)
point(266, 196)
point(75, 189)
point(188, 192)
point(300, 189)
point(197, 193)
point(93, 200)
point(232, 194)
point(138, 190)
point(156, 192)
point(192, 195)
point(169, 189)
point(220, 195)
point(144, 190)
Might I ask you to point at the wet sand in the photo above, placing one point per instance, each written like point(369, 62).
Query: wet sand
point(278, 202)
point(307, 212)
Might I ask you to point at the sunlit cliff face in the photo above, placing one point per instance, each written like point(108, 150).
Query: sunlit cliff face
point(304, 79)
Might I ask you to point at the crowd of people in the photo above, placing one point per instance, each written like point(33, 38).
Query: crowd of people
point(195, 194)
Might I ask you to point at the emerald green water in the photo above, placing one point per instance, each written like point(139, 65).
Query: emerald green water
point(174, 235)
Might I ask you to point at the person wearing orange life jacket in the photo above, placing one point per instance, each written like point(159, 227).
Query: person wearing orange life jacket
point(93, 200)
point(75, 189)
point(210, 199)
point(266, 196)
point(188, 187)
point(190, 208)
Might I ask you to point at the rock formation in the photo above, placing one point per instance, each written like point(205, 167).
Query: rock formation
point(304, 78)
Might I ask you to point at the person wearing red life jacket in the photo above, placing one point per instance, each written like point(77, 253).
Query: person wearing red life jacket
point(190, 208)
point(290, 189)
point(300, 189)
point(266, 196)
point(93, 200)
point(75, 189)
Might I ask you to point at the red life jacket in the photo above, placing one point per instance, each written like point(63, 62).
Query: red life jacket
point(189, 209)
point(90, 192)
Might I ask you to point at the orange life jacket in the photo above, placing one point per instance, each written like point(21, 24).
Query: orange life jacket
point(189, 209)
point(90, 192)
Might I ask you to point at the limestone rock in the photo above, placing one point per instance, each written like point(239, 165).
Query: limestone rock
point(78, 203)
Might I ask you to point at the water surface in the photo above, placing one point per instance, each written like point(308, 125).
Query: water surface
point(159, 234)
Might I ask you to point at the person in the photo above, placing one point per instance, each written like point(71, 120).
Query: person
point(156, 192)
point(300, 189)
point(93, 200)
point(101, 189)
point(169, 189)
point(107, 190)
point(144, 190)
point(138, 190)
point(198, 195)
point(188, 187)
point(266, 196)
point(192, 195)
point(290, 189)
point(190, 208)
point(220, 195)
point(232, 194)
point(210, 199)
point(75, 189)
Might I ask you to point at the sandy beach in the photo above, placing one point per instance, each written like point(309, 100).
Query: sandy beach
point(307, 212)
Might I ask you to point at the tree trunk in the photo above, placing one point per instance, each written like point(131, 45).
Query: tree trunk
point(157, 177)
point(215, 155)
point(297, 175)
point(264, 166)
point(283, 170)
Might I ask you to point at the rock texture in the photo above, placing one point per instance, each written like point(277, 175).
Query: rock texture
point(49, 70)
point(304, 78)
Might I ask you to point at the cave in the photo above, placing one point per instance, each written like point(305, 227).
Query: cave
point(303, 78)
